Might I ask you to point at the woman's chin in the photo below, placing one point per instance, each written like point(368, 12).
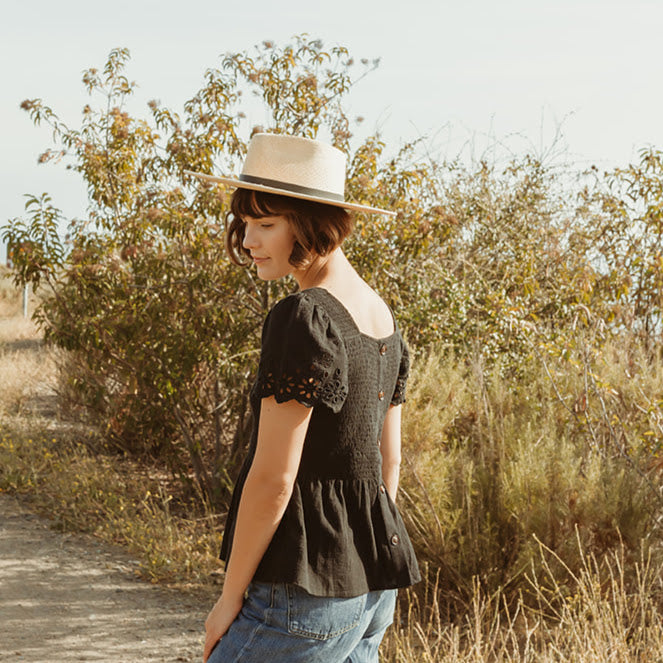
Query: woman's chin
point(265, 274)
point(269, 272)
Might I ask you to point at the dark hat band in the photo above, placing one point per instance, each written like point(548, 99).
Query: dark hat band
point(293, 188)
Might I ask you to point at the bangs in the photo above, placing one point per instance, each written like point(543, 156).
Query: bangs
point(257, 204)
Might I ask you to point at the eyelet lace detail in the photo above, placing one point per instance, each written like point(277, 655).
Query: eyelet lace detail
point(325, 387)
point(399, 392)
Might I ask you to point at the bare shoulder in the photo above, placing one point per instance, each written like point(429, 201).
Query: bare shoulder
point(369, 311)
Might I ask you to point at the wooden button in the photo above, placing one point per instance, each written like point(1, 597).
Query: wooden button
point(381, 395)
point(395, 540)
point(382, 490)
point(383, 349)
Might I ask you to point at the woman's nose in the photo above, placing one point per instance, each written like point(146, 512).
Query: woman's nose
point(250, 238)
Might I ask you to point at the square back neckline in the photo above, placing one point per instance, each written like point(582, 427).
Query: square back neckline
point(339, 303)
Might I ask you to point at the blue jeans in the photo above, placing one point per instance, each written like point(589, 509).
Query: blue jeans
point(282, 623)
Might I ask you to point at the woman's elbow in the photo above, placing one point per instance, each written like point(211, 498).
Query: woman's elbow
point(391, 462)
point(270, 487)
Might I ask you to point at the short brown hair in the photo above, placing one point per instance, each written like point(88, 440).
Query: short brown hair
point(318, 228)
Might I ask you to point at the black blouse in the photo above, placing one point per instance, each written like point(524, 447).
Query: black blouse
point(341, 534)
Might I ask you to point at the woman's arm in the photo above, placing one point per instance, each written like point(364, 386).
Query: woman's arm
point(267, 490)
point(390, 449)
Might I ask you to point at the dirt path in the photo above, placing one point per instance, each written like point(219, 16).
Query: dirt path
point(66, 597)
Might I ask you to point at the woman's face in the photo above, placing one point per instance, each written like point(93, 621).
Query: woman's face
point(270, 241)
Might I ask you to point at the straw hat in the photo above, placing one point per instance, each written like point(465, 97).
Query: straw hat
point(296, 167)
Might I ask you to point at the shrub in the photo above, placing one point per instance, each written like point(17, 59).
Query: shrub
point(495, 469)
point(162, 331)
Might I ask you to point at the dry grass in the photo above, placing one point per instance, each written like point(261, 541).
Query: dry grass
point(469, 435)
point(507, 462)
point(599, 622)
point(27, 367)
point(10, 295)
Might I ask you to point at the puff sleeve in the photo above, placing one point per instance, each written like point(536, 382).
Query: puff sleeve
point(403, 373)
point(302, 356)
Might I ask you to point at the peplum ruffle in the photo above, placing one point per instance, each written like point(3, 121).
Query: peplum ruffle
point(340, 537)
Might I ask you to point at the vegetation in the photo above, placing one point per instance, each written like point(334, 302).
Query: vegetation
point(532, 302)
point(607, 607)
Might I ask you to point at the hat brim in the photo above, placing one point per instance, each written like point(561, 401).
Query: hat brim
point(284, 192)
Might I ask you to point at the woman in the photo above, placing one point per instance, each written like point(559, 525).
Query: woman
point(314, 545)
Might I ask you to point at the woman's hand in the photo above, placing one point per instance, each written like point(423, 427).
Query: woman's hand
point(221, 616)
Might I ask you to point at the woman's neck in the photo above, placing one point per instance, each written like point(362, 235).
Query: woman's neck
point(325, 270)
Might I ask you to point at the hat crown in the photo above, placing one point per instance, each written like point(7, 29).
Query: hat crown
point(299, 162)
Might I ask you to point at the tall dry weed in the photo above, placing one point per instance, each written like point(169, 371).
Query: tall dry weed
point(10, 295)
point(27, 368)
point(601, 618)
point(496, 464)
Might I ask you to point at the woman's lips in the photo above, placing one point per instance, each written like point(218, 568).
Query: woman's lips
point(259, 261)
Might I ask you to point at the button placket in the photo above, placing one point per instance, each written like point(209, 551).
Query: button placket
point(382, 350)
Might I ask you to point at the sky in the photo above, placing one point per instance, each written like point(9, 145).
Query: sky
point(579, 80)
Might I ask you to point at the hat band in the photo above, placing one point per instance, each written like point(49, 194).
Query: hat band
point(293, 188)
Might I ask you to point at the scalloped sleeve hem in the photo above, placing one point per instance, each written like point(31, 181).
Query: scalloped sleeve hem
point(303, 357)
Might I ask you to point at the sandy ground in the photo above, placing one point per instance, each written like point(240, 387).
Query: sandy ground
point(69, 597)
